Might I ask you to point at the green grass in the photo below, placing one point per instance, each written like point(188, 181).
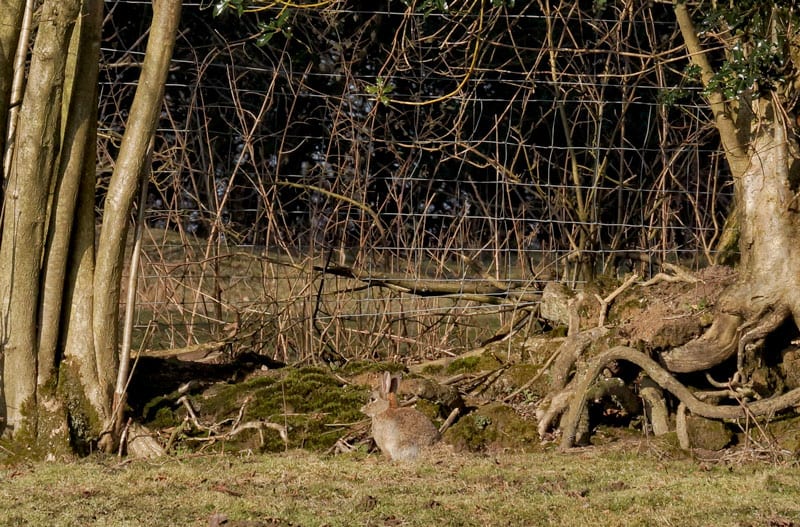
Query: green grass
point(597, 487)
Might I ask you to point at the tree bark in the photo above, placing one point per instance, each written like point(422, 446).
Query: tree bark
point(25, 211)
point(9, 37)
point(124, 184)
point(79, 134)
point(53, 293)
point(727, 121)
point(759, 153)
point(666, 381)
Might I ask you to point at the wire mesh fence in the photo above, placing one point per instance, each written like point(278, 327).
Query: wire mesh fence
point(402, 179)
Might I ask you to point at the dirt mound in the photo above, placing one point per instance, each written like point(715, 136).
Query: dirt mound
point(668, 314)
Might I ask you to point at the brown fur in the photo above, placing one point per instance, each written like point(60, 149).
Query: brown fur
point(400, 433)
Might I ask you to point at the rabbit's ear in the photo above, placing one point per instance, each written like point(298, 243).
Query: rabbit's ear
point(394, 383)
point(386, 383)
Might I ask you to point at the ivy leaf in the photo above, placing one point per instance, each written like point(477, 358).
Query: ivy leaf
point(275, 26)
point(220, 7)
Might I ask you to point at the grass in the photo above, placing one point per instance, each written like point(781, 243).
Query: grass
point(179, 302)
point(597, 486)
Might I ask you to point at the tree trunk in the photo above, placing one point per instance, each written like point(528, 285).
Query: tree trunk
point(69, 260)
point(760, 154)
point(124, 185)
point(58, 305)
point(25, 212)
point(79, 133)
point(9, 36)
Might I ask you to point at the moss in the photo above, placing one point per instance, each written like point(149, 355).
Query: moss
point(462, 365)
point(308, 401)
point(518, 375)
point(53, 432)
point(494, 426)
point(707, 434)
point(786, 432)
point(84, 422)
point(24, 445)
point(15, 452)
point(433, 369)
point(473, 363)
point(41, 433)
point(155, 406)
point(164, 418)
point(431, 410)
point(539, 388)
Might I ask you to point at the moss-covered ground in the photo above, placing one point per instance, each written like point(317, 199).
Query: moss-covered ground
point(314, 407)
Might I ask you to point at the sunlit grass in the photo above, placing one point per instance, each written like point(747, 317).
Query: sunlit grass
point(631, 486)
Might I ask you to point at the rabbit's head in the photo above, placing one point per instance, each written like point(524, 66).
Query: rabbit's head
point(384, 397)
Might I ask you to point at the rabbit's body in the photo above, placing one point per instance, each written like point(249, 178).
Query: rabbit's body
point(400, 433)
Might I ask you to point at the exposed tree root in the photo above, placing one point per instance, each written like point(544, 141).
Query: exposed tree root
point(666, 381)
point(568, 354)
point(713, 347)
point(681, 275)
point(547, 414)
point(605, 302)
point(564, 360)
point(764, 324)
point(655, 406)
point(615, 389)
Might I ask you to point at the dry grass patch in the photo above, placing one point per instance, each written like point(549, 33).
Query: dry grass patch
point(598, 487)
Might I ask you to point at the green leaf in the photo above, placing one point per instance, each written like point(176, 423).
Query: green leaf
point(220, 8)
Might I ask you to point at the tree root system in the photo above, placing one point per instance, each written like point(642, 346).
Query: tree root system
point(659, 375)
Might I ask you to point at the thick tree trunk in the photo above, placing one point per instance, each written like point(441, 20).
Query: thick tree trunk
point(760, 155)
point(769, 272)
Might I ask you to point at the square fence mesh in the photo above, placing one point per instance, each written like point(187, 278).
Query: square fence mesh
point(369, 179)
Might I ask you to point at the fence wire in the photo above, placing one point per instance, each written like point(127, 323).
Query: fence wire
point(375, 181)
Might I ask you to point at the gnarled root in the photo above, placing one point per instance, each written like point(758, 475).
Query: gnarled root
point(667, 382)
point(758, 330)
point(713, 347)
point(567, 355)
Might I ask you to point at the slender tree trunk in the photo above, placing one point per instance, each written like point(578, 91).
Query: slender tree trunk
point(124, 184)
point(79, 136)
point(25, 211)
point(9, 36)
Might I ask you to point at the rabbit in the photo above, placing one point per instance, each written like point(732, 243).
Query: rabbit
point(400, 433)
